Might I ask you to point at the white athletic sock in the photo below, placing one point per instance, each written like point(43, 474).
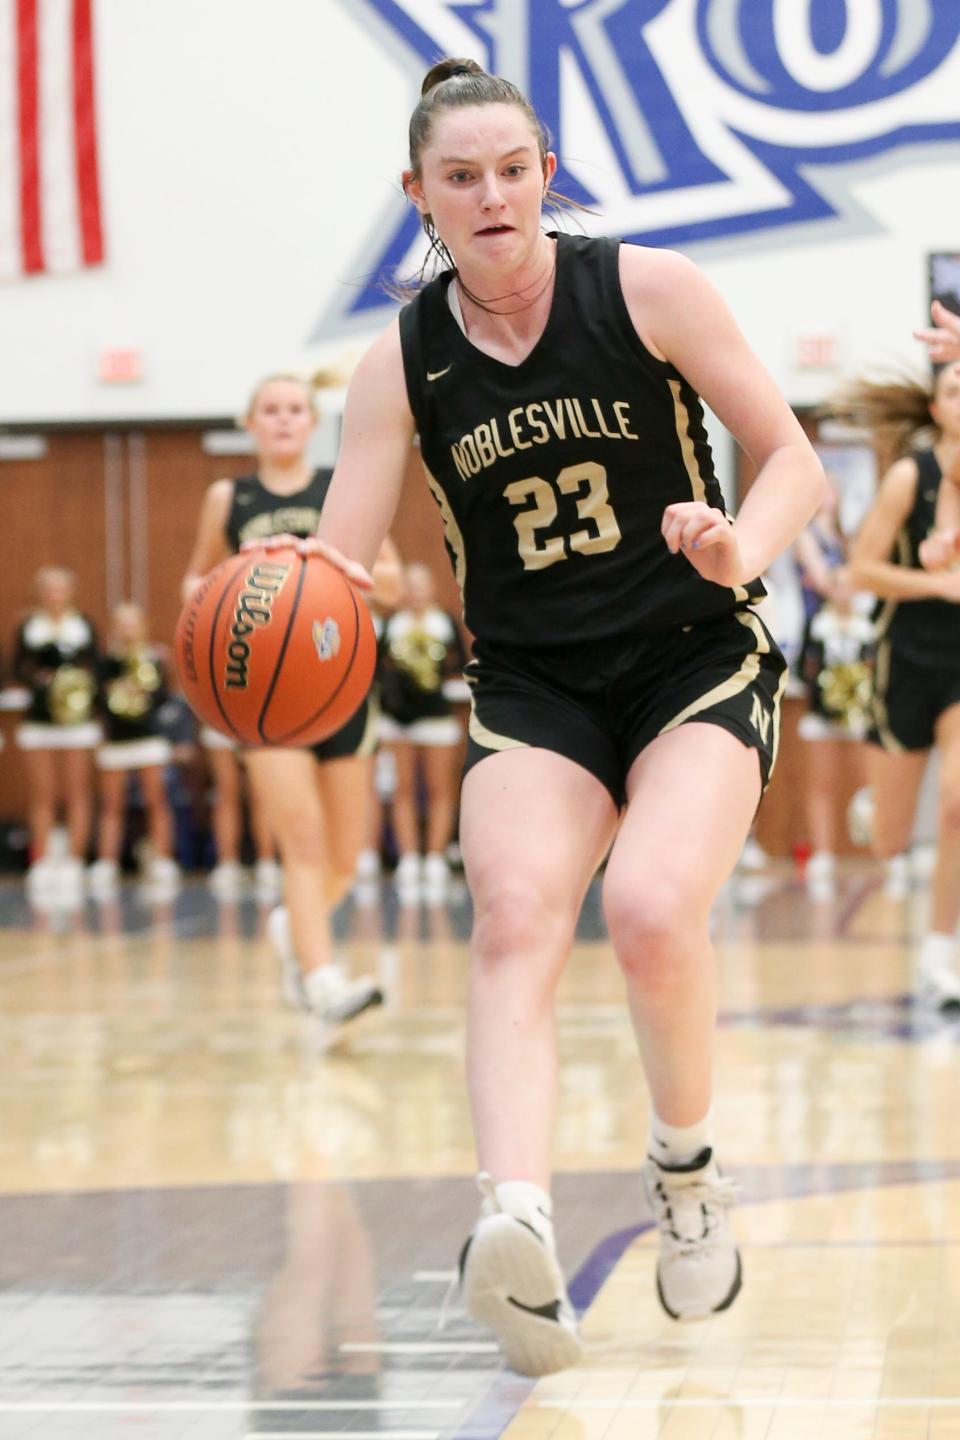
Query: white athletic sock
point(679, 1144)
point(522, 1197)
point(937, 949)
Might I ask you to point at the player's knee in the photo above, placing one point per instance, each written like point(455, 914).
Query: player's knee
point(300, 836)
point(517, 922)
point(949, 807)
point(647, 924)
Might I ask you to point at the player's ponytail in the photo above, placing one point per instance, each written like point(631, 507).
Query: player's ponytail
point(896, 410)
point(448, 70)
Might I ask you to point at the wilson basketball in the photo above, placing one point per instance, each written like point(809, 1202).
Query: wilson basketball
point(275, 648)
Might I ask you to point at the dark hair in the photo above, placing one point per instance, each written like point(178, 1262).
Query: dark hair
point(447, 84)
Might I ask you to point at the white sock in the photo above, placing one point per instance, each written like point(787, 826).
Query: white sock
point(679, 1144)
point(937, 949)
point(523, 1197)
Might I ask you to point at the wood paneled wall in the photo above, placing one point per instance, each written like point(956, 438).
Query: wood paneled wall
point(120, 508)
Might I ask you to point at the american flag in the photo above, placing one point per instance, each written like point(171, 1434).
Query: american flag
point(49, 184)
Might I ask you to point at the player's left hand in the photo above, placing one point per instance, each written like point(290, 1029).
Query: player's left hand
point(356, 573)
point(707, 539)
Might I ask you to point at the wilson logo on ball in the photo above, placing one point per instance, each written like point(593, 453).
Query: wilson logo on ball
point(254, 608)
point(326, 637)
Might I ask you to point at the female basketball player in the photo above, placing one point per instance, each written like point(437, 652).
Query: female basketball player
point(55, 656)
point(917, 699)
point(624, 693)
point(940, 550)
point(317, 811)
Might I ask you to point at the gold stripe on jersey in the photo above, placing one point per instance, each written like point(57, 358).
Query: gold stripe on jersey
point(736, 684)
point(890, 606)
point(488, 738)
point(682, 420)
point(881, 683)
point(697, 485)
point(450, 529)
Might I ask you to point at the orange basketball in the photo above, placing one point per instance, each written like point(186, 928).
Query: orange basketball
point(275, 648)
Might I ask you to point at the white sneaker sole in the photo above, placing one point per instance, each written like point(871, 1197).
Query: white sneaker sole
point(692, 1311)
point(506, 1259)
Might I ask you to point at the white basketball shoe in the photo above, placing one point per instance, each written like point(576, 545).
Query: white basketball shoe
point(936, 983)
point(511, 1281)
point(325, 993)
point(699, 1270)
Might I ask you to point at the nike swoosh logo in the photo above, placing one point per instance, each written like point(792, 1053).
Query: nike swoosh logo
point(550, 1311)
point(435, 374)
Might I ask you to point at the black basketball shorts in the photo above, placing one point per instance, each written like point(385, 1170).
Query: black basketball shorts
point(357, 737)
point(909, 698)
point(601, 704)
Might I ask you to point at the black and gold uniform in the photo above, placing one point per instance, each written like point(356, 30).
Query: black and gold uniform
point(55, 659)
point(552, 477)
point(422, 658)
point(256, 513)
point(918, 655)
point(133, 687)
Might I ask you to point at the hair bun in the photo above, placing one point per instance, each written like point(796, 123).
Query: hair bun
point(448, 69)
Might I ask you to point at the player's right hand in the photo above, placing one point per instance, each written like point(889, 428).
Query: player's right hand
point(353, 570)
point(943, 343)
point(948, 586)
point(940, 550)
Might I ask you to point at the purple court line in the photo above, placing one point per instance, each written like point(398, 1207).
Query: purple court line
point(508, 1393)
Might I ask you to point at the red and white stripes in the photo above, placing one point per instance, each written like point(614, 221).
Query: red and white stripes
point(49, 183)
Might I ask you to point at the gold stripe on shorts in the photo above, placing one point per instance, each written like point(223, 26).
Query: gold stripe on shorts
point(881, 682)
point(742, 680)
point(489, 739)
point(371, 729)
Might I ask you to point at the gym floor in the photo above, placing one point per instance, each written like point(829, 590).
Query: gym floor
point(213, 1228)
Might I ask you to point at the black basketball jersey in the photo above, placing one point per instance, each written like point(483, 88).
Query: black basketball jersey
point(552, 476)
point(255, 512)
point(928, 631)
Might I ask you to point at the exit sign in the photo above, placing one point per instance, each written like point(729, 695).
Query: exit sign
point(120, 365)
point(817, 352)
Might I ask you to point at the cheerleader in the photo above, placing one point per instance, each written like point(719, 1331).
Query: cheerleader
point(133, 686)
point(55, 657)
point(422, 657)
point(836, 676)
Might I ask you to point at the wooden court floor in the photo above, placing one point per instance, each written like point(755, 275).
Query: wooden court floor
point(212, 1228)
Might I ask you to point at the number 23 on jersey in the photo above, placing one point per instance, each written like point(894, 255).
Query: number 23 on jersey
point(588, 482)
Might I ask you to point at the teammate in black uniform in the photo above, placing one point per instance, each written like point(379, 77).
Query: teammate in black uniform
point(316, 811)
point(132, 686)
point(917, 699)
point(624, 693)
point(55, 657)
